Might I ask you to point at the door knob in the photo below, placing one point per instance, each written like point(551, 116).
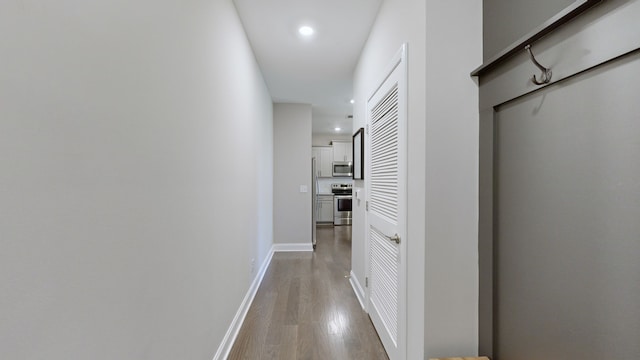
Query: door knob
point(395, 238)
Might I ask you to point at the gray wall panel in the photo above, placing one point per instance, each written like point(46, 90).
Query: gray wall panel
point(566, 273)
point(505, 21)
point(598, 35)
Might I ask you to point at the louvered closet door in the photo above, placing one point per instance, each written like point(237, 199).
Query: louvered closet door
point(386, 216)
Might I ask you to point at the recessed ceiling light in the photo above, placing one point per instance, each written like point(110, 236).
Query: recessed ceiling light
point(306, 30)
point(337, 129)
point(352, 101)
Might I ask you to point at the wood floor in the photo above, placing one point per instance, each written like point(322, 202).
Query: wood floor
point(306, 308)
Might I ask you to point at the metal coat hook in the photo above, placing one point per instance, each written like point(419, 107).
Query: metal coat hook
point(545, 78)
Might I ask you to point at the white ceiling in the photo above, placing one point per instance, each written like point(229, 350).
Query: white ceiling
point(316, 70)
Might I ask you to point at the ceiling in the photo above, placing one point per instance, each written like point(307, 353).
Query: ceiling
point(316, 70)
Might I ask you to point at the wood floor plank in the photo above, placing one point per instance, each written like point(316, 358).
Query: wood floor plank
point(305, 308)
point(289, 343)
point(293, 302)
point(306, 343)
point(271, 352)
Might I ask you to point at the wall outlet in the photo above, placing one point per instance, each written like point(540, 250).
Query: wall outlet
point(253, 266)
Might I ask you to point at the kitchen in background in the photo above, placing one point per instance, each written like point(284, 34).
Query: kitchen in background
point(332, 184)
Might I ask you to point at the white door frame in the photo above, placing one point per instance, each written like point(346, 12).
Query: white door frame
point(399, 60)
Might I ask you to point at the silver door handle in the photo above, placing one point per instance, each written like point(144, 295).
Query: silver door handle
point(395, 238)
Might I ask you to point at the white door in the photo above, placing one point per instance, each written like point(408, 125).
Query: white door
point(386, 220)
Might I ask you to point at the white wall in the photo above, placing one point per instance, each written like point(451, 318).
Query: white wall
point(121, 125)
point(325, 139)
point(292, 168)
point(398, 21)
point(454, 42)
point(444, 45)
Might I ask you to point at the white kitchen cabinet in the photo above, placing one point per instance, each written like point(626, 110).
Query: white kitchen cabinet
point(324, 160)
point(342, 150)
point(325, 208)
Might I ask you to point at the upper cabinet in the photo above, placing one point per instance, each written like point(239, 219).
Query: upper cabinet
point(324, 159)
point(342, 151)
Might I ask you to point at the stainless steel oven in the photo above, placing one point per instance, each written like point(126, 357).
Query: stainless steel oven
point(342, 209)
point(342, 200)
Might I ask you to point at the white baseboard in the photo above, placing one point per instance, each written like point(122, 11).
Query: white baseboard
point(292, 247)
point(357, 289)
point(232, 333)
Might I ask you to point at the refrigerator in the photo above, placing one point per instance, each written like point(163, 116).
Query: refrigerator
point(314, 201)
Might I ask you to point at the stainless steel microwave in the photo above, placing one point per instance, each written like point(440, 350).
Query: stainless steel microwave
point(342, 169)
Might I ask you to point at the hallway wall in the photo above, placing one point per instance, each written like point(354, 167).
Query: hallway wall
point(451, 257)
point(444, 44)
point(136, 184)
point(292, 169)
point(398, 21)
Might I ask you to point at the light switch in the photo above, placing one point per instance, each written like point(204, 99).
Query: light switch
point(304, 189)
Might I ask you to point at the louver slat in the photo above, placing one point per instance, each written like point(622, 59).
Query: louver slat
point(384, 281)
point(384, 157)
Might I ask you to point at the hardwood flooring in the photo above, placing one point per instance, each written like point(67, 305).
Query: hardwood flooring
point(305, 308)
